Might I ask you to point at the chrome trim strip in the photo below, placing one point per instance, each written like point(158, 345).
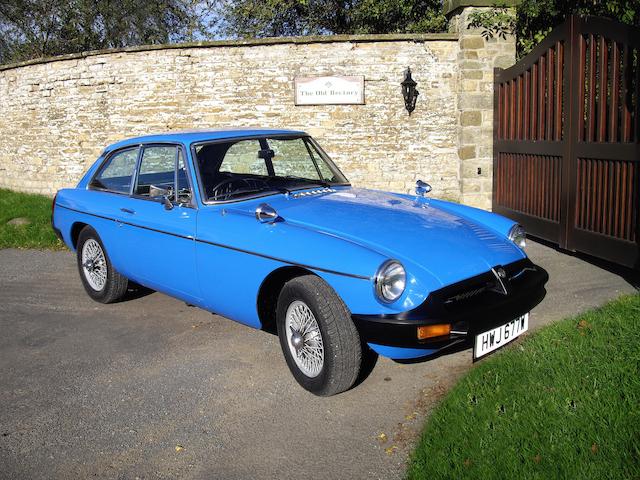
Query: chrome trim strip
point(229, 247)
point(85, 213)
point(521, 272)
point(124, 222)
point(269, 257)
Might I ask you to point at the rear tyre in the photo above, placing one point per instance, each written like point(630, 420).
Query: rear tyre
point(98, 276)
point(319, 341)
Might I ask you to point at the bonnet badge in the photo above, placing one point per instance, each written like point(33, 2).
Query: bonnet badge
point(501, 276)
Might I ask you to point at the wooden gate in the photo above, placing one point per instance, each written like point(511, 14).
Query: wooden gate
point(567, 139)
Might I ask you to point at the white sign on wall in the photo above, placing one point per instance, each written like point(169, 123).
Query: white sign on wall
point(329, 90)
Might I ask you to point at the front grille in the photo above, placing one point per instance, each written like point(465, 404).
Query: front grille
point(464, 295)
point(484, 287)
point(487, 297)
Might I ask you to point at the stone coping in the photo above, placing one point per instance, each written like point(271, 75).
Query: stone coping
point(251, 42)
point(451, 6)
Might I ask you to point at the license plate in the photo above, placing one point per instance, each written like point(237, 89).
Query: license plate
point(489, 341)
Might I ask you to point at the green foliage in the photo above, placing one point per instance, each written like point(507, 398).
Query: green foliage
point(40, 28)
point(536, 18)
point(497, 22)
point(564, 403)
point(35, 208)
point(37, 28)
point(247, 18)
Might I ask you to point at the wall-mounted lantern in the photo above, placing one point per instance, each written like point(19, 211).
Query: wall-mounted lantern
point(409, 92)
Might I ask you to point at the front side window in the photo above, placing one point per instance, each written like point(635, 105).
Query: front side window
point(156, 177)
point(116, 173)
point(157, 174)
point(237, 169)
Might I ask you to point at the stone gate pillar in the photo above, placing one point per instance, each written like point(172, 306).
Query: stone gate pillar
point(477, 57)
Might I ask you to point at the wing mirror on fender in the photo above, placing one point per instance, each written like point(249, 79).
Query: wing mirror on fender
point(422, 188)
point(266, 213)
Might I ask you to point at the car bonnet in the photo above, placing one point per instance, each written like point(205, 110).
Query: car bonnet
point(450, 247)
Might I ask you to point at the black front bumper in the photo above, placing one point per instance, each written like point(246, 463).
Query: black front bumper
point(472, 306)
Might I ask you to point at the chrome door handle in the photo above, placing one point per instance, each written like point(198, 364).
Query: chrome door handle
point(127, 210)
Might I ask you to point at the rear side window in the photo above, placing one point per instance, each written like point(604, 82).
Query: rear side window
point(117, 172)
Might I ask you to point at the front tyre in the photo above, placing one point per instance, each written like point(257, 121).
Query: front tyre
point(320, 342)
point(98, 276)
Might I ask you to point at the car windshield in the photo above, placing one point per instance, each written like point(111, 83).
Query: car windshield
point(235, 169)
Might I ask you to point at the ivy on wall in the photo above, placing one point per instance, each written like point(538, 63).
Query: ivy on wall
point(534, 19)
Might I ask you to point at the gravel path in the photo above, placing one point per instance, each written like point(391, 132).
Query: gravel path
point(110, 391)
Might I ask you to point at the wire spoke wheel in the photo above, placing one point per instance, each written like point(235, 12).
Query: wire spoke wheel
point(100, 280)
point(94, 264)
point(304, 338)
point(320, 343)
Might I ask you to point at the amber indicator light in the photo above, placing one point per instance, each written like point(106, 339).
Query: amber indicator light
point(431, 331)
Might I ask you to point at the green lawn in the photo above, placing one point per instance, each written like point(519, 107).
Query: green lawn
point(36, 208)
point(564, 403)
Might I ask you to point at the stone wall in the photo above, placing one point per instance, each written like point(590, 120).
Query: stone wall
point(477, 59)
point(58, 114)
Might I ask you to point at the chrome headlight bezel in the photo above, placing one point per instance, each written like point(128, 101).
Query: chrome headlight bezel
point(518, 236)
point(388, 291)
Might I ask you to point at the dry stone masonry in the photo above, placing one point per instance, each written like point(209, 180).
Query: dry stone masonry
point(477, 59)
point(57, 114)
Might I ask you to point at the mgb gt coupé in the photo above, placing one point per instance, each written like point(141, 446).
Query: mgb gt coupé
point(260, 226)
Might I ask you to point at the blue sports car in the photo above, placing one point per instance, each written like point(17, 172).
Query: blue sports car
point(260, 226)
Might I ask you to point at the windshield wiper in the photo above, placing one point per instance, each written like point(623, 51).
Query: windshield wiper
point(308, 180)
point(274, 189)
point(277, 188)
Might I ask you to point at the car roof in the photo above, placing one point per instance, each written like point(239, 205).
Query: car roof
point(192, 136)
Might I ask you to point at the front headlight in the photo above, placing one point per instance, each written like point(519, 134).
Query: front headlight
point(390, 281)
point(518, 236)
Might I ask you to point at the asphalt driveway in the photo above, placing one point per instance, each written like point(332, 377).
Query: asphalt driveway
point(151, 388)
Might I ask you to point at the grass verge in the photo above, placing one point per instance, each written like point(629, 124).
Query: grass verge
point(563, 403)
point(37, 210)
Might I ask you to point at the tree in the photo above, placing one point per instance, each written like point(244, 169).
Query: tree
point(37, 28)
point(534, 19)
point(249, 18)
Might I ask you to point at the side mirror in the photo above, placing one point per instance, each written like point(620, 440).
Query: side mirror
point(422, 188)
point(184, 198)
point(167, 203)
point(266, 213)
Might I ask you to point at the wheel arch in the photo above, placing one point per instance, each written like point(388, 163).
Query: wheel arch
point(76, 228)
point(269, 291)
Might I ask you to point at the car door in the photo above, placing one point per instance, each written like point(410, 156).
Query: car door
point(229, 276)
point(159, 219)
point(108, 190)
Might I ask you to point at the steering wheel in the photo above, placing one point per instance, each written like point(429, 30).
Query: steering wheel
point(226, 189)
